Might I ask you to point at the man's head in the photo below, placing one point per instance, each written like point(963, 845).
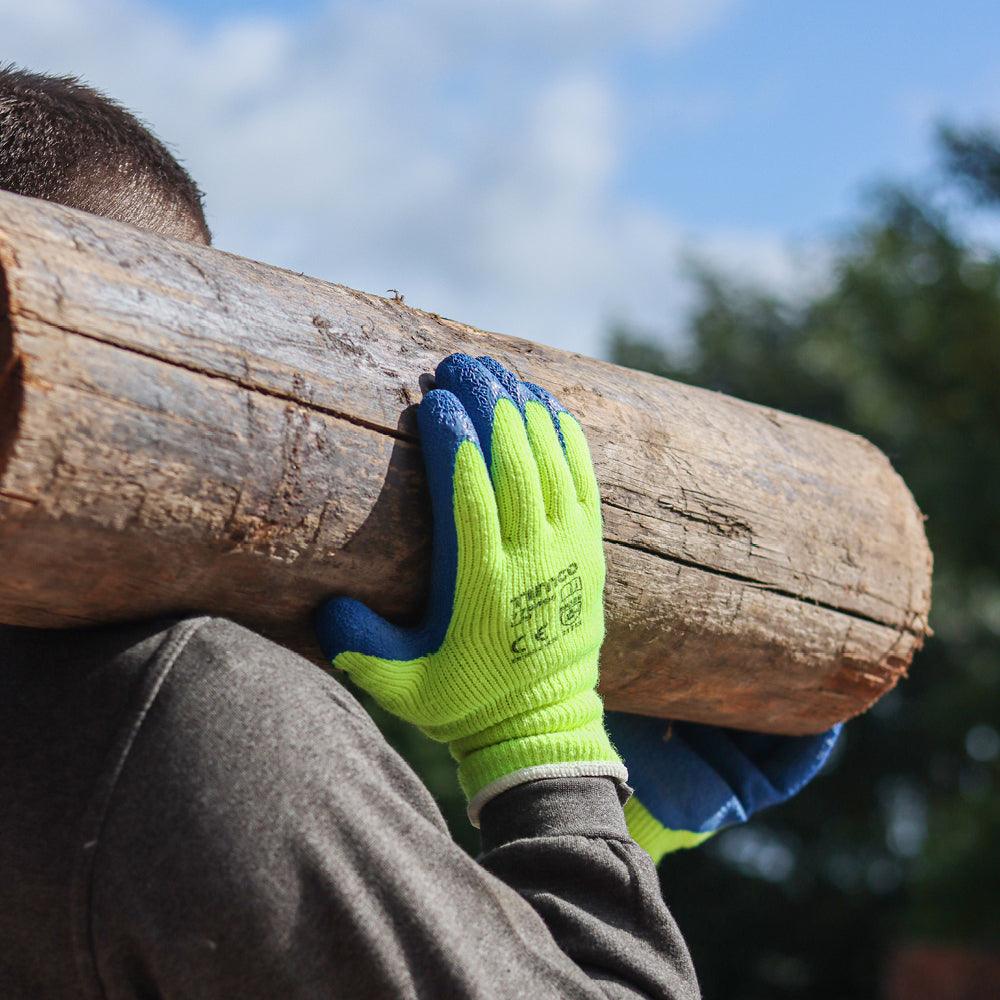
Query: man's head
point(62, 141)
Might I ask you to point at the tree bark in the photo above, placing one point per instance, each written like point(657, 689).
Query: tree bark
point(185, 430)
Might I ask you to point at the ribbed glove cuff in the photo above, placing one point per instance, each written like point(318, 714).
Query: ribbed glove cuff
point(582, 752)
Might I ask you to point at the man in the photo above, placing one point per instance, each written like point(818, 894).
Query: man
point(192, 811)
point(64, 142)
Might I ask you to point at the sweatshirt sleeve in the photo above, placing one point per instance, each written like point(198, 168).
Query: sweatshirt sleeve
point(261, 839)
point(563, 845)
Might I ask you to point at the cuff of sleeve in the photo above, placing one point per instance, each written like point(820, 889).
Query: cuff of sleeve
point(537, 773)
point(556, 807)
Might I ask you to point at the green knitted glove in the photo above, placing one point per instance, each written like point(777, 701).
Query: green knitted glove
point(504, 666)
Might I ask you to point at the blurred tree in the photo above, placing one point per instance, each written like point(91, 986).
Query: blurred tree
point(897, 841)
point(973, 157)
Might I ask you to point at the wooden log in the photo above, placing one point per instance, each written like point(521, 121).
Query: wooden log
point(185, 430)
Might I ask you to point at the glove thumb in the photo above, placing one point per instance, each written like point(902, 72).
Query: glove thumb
point(345, 625)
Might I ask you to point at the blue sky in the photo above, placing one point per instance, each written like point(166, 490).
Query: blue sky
point(535, 166)
point(808, 101)
point(781, 113)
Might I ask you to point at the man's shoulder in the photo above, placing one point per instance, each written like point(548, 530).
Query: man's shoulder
point(236, 732)
point(220, 678)
point(212, 660)
point(213, 651)
point(249, 784)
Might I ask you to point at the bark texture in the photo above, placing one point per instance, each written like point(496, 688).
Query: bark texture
point(182, 429)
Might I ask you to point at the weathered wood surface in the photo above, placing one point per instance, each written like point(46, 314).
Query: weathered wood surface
point(181, 429)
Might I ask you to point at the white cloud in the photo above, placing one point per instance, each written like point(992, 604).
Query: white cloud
point(783, 267)
point(466, 154)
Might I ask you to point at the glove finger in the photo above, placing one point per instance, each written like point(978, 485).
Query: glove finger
point(498, 420)
point(575, 447)
point(788, 763)
point(581, 467)
point(698, 777)
point(383, 659)
point(478, 390)
point(550, 403)
point(540, 410)
point(558, 487)
point(462, 499)
point(515, 388)
point(676, 784)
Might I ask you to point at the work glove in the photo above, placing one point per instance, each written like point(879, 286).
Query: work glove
point(692, 780)
point(503, 667)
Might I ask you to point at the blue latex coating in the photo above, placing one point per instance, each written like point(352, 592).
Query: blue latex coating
point(704, 778)
point(345, 624)
point(479, 390)
point(515, 388)
point(524, 392)
point(547, 399)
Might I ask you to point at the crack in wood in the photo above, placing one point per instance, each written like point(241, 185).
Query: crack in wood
point(18, 497)
point(726, 525)
point(742, 529)
point(771, 588)
point(243, 383)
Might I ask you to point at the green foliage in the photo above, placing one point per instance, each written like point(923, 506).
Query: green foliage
point(973, 157)
point(896, 841)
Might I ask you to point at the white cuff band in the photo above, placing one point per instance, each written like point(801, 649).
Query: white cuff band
point(576, 769)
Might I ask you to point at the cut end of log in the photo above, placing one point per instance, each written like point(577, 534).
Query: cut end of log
point(11, 373)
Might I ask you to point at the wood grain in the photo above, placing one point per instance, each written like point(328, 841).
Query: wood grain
point(182, 429)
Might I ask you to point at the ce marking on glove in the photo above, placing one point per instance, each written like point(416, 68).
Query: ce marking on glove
point(531, 642)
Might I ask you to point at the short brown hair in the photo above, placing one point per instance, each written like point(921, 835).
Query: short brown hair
point(66, 142)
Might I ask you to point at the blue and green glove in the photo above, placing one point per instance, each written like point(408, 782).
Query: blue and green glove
point(504, 666)
point(692, 780)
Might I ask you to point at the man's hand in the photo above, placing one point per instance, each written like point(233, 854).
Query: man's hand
point(693, 780)
point(504, 666)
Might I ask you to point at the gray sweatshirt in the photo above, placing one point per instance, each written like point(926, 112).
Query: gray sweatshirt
point(189, 811)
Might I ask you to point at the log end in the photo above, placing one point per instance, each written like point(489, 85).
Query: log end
point(11, 376)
